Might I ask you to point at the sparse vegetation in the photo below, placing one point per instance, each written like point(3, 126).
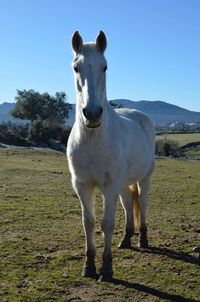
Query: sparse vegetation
point(42, 239)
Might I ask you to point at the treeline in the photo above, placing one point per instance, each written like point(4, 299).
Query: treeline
point(178, 128)
point(44, 119)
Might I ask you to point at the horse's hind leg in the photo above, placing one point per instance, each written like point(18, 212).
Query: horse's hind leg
point(143, 187)
point(127, 202)
point(86, 197)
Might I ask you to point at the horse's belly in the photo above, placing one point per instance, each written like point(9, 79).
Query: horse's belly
point(137, 171)
point(139, 163)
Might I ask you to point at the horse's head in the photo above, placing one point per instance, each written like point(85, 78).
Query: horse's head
point(90, 66)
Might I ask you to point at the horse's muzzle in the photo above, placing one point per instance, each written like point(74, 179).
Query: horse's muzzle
point(92, 117)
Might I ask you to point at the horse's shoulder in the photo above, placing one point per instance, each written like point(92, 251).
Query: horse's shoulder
point(73, 140)
point(139, 118)
point(133, 114)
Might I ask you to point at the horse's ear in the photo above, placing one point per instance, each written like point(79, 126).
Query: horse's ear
point(77, 42)
point(101, 42)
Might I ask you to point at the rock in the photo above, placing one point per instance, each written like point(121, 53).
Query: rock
point(65, 274)
point(196, 249)
point(22, 284)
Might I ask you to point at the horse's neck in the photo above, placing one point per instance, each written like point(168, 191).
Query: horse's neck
point(78, 117)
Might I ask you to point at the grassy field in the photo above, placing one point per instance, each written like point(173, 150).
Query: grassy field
point(181, 138)
point(192, 152)
point(42, 240)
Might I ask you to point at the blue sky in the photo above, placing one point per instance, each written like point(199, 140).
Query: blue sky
point(153, 47)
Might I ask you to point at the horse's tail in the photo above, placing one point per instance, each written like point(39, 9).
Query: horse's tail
point(136, 207)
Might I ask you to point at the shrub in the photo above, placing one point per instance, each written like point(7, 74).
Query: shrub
point(11, 134)
point(36, 132)
point(168, 148)
point(43, 131)
point(65, 135)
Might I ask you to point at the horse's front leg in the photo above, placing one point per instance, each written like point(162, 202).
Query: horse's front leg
point(87, 198)
point(108, 225)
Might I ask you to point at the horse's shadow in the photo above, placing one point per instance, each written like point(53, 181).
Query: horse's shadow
point(155, 292)
point(170, 253)
point(152, 291)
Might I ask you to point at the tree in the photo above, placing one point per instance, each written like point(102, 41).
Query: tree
point(32, 105)
point(55, 109)
point(28, 105)
point(46, 113)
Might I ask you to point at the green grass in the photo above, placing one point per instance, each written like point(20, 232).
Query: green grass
point(42, 239)
point(182, 138)
point(191, 152)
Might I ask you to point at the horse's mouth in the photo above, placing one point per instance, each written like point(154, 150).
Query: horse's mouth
point(92, 124)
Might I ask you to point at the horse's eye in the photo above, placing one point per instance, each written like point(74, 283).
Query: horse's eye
point(105, 68)
point(75, 69)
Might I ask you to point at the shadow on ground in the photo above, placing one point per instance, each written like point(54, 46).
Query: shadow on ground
point(152, 291)
point(155, 292)
point(170, 253)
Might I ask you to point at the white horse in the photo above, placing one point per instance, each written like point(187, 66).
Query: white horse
point(111, 150)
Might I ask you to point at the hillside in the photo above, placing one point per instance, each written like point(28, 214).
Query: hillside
point(5, 109)
point(160, 112)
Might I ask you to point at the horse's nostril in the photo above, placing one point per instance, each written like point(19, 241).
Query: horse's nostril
point(85, 113)
point(92, 115)
point(100, 111)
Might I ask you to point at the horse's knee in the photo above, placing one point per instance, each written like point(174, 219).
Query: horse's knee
point(108, 226)
point(89, 223)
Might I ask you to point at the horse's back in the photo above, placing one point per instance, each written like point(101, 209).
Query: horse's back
point(141, 118)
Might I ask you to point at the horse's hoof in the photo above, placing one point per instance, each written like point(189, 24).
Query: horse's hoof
point(143, 244)
point(106, 277)
point(125, 244)
point(89, 272)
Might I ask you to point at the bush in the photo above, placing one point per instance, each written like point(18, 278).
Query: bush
point(65, 135)
point(11, 134)
point(36, 132)
point(168, 148)
point(43, 131)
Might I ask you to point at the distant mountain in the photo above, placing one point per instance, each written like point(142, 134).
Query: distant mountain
point(5, 116)
point(6, 108)
point(160, 112)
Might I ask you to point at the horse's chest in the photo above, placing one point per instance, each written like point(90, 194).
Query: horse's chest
point(92, 163)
